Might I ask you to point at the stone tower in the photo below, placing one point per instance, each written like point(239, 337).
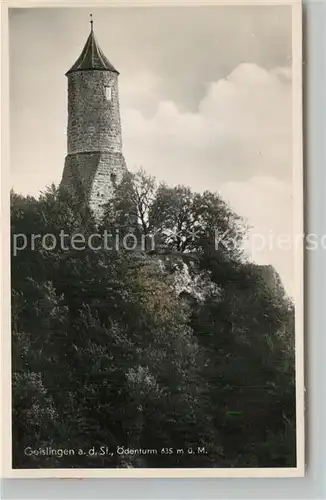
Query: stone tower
point(94, 163)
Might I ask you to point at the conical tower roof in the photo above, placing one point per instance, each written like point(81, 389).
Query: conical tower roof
point(92, 57)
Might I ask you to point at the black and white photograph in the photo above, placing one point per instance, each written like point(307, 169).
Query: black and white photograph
point(156, 313)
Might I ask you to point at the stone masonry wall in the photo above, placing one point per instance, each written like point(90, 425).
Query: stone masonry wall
point(93, 120)
point(109, 173)
point(94, 177)
point(94, 164)
point(79, 172)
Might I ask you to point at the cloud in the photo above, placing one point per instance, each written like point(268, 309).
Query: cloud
point(242, 128)
point(267, 205)
point(140, 90)
point(238, 142)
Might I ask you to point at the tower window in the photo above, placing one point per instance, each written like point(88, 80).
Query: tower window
point(108, 93)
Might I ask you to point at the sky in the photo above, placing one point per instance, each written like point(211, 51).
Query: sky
point(205, 96)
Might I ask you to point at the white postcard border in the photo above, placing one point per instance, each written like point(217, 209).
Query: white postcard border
point(298, 207)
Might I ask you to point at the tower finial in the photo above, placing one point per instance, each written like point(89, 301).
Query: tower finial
point(91, 21)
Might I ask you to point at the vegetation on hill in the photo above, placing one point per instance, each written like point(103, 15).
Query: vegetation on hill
point(112, 349)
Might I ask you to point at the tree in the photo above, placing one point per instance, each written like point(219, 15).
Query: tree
point(132, 200)
point(136, 364)
point(247, 334)
point(188, 221)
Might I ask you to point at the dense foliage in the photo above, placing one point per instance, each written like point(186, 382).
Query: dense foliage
point(108, 353)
